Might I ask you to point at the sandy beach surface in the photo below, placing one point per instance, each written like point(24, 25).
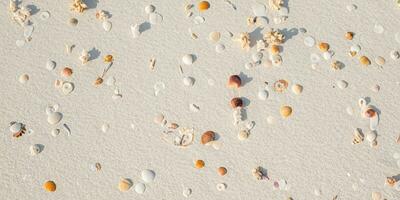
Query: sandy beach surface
point(129, 122)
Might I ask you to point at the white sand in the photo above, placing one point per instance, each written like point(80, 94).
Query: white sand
point(311, 150)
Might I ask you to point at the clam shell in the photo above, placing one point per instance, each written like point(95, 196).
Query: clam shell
point(67, 87)
point(286, 111)
point(188, 81)
point(35, 149)
point(207, 137)
point(262, 95)
point(371, 136)
point(187, 59)
point(222, 171)
point(148, 175)
point(140, 188)
point(50, 65)
point(125, 184)
point(54, 118)
point(107, 25)
point(380, 61)
point(50, 186)
point(16, 127)
point(155, 18)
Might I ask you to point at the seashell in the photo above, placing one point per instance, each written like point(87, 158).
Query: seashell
point(50, 65)
point(125, 184)
point(259, 10)
point(390, 181)
point(98, 81)
point(219, 48)
point(349, 35)
point(207, 137)
point(155, 18)
point(369, 112)
point(221, 171)
point(351, 7)
point(54, 118)
point(67, 87)
point(286, 111)
point(395, 55)
point(50, 186)
point(28, 30)
point(214, 36)
point(203, 6)
point(55, 132)
point(149, 9)
point(187, 192)
point(257, 56)
point(250, 125)
point(248, 65)
point(67, 129)
point(35, 149)
point(309, 41)
point(20, 43)
point(274, 49)
point(107, 25)
point(262, 95)
point(188, 81)
point(323, 46)
point(374, 122)
point(315, 58)
point(297, 89)
point(378, 29)
point(342, 84)
point(16, 127)
point(276, 60)
point(23, 78)
point(135, 29)
point(355, 48)
point(73, 21)
point(376, 196)
point(199, 164)
point(280, 85)
point(159, 119)
point(140, 188)
point(66, 72)
point(371, 136)
point(236, 102)
point(221, 186)
point(108, 58)
point(380, 61)
point(364, 60)
point(199, 20)
point(148, 175)
point(358, 136)
point(44, 15)
point(328, 55)
point(243, 134)
point(187, 59)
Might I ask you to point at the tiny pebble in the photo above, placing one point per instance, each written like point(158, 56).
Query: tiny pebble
point(105, 128)
point(342, 84)
point(188, 81)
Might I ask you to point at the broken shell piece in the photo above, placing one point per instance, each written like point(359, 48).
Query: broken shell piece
point(323, 46)
point(203, 6)
point(250, 125)
point(236, 102)
point(244, 39)
point(362, 103)
point(275, 4)
point(35, 149)
point(199, 20)
point(280, 85)
point(286, 111)
point(234, 81)
point(262, 95)
point(66, 72)
point(375, 88)
point(328, 55)
point(214, 36)
point(276, 60)
point(67, 87)
point(243, 134)
point(108, 58)
point(199, 164)
point(125, 184)
point(364, 60)
point(378, 29)
point(194, 108)
point(390, 181)
point(54, 117)
point(297, 89)
point(102, 15)
point(371, 136)
point(221, 186)
point(219, 48)
point(50, 65)
point(187, 192)
point(188, 81)
point(207, 137)
point(342, 84)
point(259, 174)
point(49, 186)
point(159, 119)
point(358, 136)
point(107, 25)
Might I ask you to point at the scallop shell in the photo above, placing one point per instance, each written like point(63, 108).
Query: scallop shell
point(148, 175)
point(188, 81)
point(54, 118)
point(371, 136)
point(67, 87)
point(107, 25)
point(207, 137)
point(50, 186)
point(50, 65)
point(286, 111)
point(297, 89)
point(155, 18)
point(187, 59)
point(214, 36)
point(149, 9)
point(35, 149)
point(140, 188)
point(262, 95)
point(125, 184)
point(342, 84)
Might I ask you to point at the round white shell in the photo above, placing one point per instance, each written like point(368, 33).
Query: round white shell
point(155, 18)
point(188, 81)
point(262, 95)
point(148, 176)
point(149, 9)
point(107, 25)
point(67, 87)
point(187, 59)
point(54, 118)
point(140, 188)
point(371, 136)
point(35, 149)
point(55, 132)
point(16, 127)
point(309, 41)
point(50, 65)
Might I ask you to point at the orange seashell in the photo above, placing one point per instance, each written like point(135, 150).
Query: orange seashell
point(236, 102)
point(222, 171)
point(364, 60)
point(286, 111)
point(50, 186)
point(391, 181)
point(98, 81)
point(274, 49)
point(199, 164)
point(234, 81)
point(207, 137)
point(324, 47)
point(349, 35)
point(66, 72)
point(204, 5)
point(369, 112)
point(108, 58)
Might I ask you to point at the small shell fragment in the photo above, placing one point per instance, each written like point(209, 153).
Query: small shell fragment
point(395, 55)
point(35, 149)
point(149, 9)
point(219, 48)
point(371, 136)
point(262, 95)
point(107, 25)
point(55, 132)
point(16, 127)
point(159, 119)
point(187, 192)
point(243, 134)
point(378, 29)
point(125, 184)
point(358, 136)
point(376, 196)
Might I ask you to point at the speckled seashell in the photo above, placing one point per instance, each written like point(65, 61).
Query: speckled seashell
point(365, 60)
point(125, 184)
point(297, 89)
point(286, 111)
point(54, 118)
point(207, 137)
point(50, 186)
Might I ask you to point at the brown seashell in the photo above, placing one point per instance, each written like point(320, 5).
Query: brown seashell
point(98, 81)
point(390, 181)
point(286, 111)
point(199, 164)
point(203, 6)
point(352, 53)
point(234, 81)
point(324, 47)
point(236, 102)
point(369, 112)
point(349, 35)
point(173, 126)
point(222, 171)
point(207, 137)
point(66, 72)
point(50, 186)
point(274, 49)
point(364, 60)
point(280, 85)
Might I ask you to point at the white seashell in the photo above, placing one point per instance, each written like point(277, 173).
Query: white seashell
point(378, 29)
point(155, 18)
point(371, 136)
point(149, 9)
point(309, 41)
point(250, 125)
point(221, 186)
point(55, 132)
point(148, 176)
point(249, 65)
point(16, 127)
point(356, 48)
point(135, 29)
point(107, 25)
point(351, 7)
point(35, 149)
point(140, 188)
point(219, 48)
point(214, 36)
point(199, 20)
point(105, 128)
point(315, 58)
point(257, 56)
point(67, 87)
point(374, 122)
point(259, 10)
point(23, 78)
point(194, 108)
point(188, 81)
point(54, 118)
point(28, 30)
point(187, 59)
point(395, 55)
point(20, 43)
point(328, 55)
point(262, 95)
point(44, 15)
point(342, 84)
point(50, 65)
point(187, 192)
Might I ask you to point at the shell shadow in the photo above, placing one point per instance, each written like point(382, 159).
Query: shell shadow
point(144, 27)
point(94, 53)
point(255, 35)
point(91, 3)
point(41, 147)
point(245, 78)
point(34, 9)
point(290, 33)
point(246, 101)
